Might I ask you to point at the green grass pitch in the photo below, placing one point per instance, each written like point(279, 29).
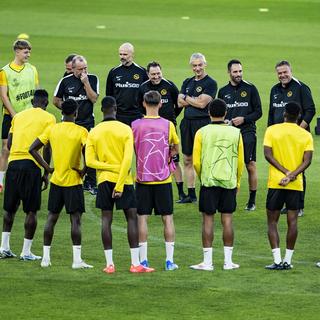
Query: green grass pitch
point(221, 30)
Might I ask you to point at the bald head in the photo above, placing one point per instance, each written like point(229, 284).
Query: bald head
point(126, 51)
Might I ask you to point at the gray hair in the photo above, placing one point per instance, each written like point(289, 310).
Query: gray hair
point(198, 55)
point(78, 58)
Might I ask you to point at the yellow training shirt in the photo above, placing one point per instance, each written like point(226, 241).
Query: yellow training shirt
point(26, 126)
point(288, 142)
point(17, 68)
point(109, 149)
point(67, 140)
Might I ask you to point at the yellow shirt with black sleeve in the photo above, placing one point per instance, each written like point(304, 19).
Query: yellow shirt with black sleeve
point(221, 138)
point(26, 126)
point(16, 74)
point(173, 139)
point(109, 149)
point(289, 143)
point(67, 140)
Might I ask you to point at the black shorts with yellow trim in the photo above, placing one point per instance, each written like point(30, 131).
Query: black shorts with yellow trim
point(213, 199)
point(277, 198)
point(154, 196)
point(249, 146)
point(104, 200)
point(71, 198)
point(6, 125)
point(22, 183)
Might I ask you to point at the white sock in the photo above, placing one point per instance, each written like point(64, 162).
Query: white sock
point(207, 256)
point(169, 251)
point(46, 253)
point(276, 255)
point(2, 176)
point(108, 255)
point(76, 254)
point(143, 246)
point(227, 255)
point(26, 250)
point(288, 256)
point(135, 256)
point(5, 240)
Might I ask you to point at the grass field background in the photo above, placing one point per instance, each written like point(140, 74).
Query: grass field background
point(221, 30)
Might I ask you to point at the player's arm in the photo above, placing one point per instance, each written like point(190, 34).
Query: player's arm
point(57, 102)
point(82, 171)
point(196, 153)
point(268, 154)
point(308, 106)
point(5, 100)
point(92, 161)
point(199, 102)
point(92, 94)
point(9, 142)
point(240, 161)
point(34, 151)
point(125, 166)
point(182, 95)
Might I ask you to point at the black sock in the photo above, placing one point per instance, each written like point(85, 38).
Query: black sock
point(180, 187)
point(192, 192)
point(252, 198)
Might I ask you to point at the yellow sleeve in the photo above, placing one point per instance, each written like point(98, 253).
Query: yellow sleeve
point(3, 78)
point(267, 141)
point(309, 146)
point(240, 161)
point(45, 136)
point(91, 158)
point(196, 154)
point(173, 137)
point(126, 162)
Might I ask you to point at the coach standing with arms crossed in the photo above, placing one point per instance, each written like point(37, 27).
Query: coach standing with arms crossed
point(195, 95)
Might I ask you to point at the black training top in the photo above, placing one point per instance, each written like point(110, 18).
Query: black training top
point(123, 84)
point(169, 97)
point(194, 88)
point(295, 91)
point(71, 87)
point(242, 100)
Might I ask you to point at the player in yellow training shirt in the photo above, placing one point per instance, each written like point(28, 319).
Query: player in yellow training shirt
point(67, 141)
point(288, 148)
point(18, 80)
point(23, 178)
point(109, 149)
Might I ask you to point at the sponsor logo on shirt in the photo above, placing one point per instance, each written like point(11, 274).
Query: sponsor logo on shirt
point(118, 78)
point(279, 105)
point(243, 94)
point(275, 96)
point(81, 97)
point(25, 95)
point(228, 96)
point(163, 92)
point(15, 82)
point(237, 104)
point(127, 85)
point(164, 101)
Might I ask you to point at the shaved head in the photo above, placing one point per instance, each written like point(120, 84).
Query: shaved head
point(126, 51)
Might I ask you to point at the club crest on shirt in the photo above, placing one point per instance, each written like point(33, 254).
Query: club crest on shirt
point(15, 82)
point(136, 77)
point(199, 89)
point(289, 93)
point(163, 92)
point(243, 94)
